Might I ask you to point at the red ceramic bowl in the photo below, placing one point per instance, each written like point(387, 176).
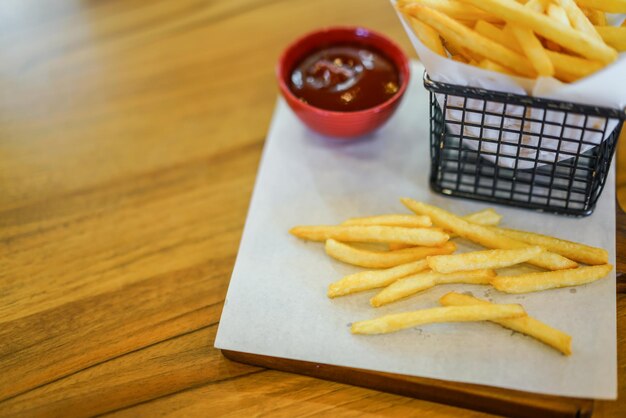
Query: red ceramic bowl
point(336, 123)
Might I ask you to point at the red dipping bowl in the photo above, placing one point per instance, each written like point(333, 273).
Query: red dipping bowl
point(348, 124)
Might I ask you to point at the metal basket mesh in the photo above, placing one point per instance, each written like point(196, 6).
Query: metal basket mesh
point(520, 151)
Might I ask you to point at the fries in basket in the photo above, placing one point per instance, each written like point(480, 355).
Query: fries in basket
point(420, 255)
point(565, 39)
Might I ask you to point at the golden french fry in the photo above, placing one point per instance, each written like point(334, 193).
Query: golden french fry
point(484, 217)
point(572, 250)
point(395, 246)
point(397, 322)
point(486, 64)
point(489, 259)
point(408, 221)
point(557, 13)
point(472, 40)
point(525, 324)
point(597, 17)
point(569, 67)
point(533, 49)
point(581, 43)
point(614, 36)
point(415, 283)
point(566, 67)
point(428, 237)
point(459, 58)
point(456, 49)
point(534, 282)
point(551, 46)
point(536, 5)
point(483, 236)
point(382, 259)
point(452, 8)
point(428, 36)
point(496, 34)
point(578, 19)
point(610, 6)
point(367, 280)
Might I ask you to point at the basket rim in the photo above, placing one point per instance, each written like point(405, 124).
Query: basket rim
point(522, 100)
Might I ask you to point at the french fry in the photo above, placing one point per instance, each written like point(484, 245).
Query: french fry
point(489, 259)
point(367, 280)
point(614, 36)
point(408, 221)
point(571, 68)
point(572, 250)
point(573, 40)
point(397, 322)
point(428, 36)
point(597, 17)
point(393, 246)
point(486, 64)
point(415, 283)
point(454, 9)
point(557, 13)
point(456, 49)
point(525, 324)
point(428, 237)
point(533, 49)
point(483, 236)
point(459, 58)
point(566, 67)
point(535, 282)
point(610, 6)
point(538, 6)
point(382, 259)
point(486, 217)
point(470, 39)
point(551, 46)
point(496, 34)
point(578, 19)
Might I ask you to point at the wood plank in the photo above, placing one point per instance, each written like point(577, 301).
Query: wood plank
point(278, 394)
point(620, 249)
point(477, 397)
point(620, 174)
point(183, 265)
point(46, 347)
point(109, 245)
point(170, 366)
point(136, 108)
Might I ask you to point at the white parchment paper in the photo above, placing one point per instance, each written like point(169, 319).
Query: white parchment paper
point(605, 88)
point(277, 305)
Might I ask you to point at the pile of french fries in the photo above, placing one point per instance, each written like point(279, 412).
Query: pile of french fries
point(564, 39)
point(415, 253)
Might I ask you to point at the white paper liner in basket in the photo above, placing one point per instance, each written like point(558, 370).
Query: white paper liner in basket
point(605, 88)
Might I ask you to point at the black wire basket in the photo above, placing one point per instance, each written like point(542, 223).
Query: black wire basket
point(520, 151)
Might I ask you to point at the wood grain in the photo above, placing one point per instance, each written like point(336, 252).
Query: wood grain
point(130, 136)
point(476, 397)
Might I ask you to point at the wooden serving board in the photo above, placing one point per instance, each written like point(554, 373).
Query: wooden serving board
point(489, 399)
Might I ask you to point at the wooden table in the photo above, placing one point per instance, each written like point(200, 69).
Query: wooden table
point(130, 135)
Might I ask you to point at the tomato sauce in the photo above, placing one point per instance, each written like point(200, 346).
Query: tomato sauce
point(345, 77)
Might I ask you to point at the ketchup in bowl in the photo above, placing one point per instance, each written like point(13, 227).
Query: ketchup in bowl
point(343, 82)
point(347, 77)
